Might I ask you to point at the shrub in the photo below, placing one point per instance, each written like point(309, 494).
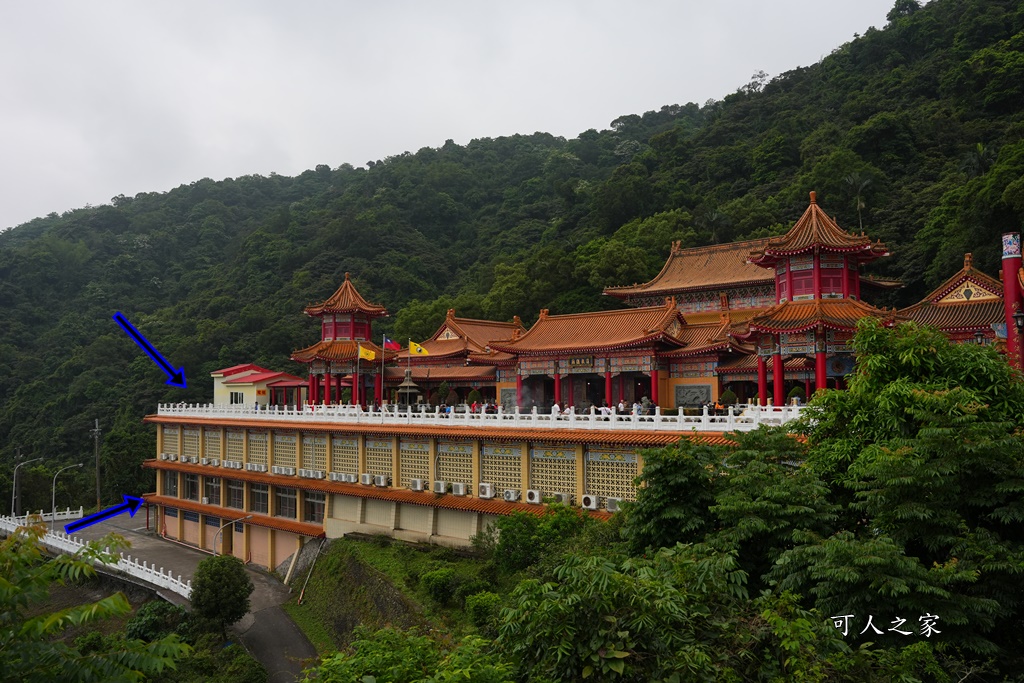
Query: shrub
point(471, 587)
point(474, 396)
point(728, 397)
point(796, 392)
point(154, 620)
point(439, 585)
point(482, 607)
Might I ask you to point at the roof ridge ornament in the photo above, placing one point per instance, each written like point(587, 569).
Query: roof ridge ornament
point(814, 197)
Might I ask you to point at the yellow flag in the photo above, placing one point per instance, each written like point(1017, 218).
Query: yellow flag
point(366, 354)
point(416, 349)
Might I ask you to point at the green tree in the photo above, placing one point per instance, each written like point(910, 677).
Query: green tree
point(221, 589)
point(30, 646)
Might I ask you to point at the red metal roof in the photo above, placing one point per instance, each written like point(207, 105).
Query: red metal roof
point(262, 377)
point(235, 369)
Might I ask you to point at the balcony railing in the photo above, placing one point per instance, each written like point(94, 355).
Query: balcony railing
point(738, 418)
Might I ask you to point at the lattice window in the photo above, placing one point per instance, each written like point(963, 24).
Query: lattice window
point(211, 443)
point(171, 440)
point(378, 456)
point(501, 465)
point(455, 461)
point(234, 448)
point(344, 454)
point(284, 450)
point(553, 470)
point(258, 447)
point(610, 473)
point(314, 453)
point(414, 460)
point(190, 442)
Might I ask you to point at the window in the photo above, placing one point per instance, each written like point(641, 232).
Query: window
point(191, 487)
point(803, 284)
point(237, 398)
point(171, 512)
point(284, 502)
point(239, 527)
point(211, 489)
point(190, 516)
point(258, 498)
point(236, 494)
point(832, 283)
point(213, 521)
point(313, 507)
point(171, 484)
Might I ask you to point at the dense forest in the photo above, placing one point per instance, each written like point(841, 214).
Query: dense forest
point(913, 132)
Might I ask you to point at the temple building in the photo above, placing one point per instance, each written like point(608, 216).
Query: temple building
point(277, 459)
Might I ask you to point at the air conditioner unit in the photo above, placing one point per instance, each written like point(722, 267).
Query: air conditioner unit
point(511, 495)
point(440, 486)
point(163, 456)
point(205, 500)
point(458, 489)
point(335, 476)
point(612, 504)
point(290, 471)
point(275, 469)
point(233, 464)
point(380, 480)
point(316, 474)
point(250, 466)
point(563, 498)
point(172, 456)
point(416, 484)
point(350, 477)
point(366, 478)
point(534, 496)
point(214, 462)
point(261, 468)
point(204, 461)
point(589, 501)
point(192, 459)
point(486, 490)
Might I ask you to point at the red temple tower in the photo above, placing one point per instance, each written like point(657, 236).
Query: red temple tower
point(345, 320)
point(817, 299)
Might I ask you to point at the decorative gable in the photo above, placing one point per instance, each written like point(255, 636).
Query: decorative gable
point(969, 291)
point(447, 333)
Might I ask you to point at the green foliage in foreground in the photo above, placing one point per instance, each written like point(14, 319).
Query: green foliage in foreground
point(29, 649)
point(394, 656)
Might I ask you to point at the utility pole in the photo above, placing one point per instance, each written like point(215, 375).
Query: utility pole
point(16, 509)
point(96, 439)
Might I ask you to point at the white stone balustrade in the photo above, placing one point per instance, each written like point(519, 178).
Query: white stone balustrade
point(64, 543)
point(739, 418)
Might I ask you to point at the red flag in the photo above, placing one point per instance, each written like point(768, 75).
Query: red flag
point(391, 345)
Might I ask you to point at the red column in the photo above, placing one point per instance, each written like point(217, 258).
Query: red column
point(654, 386)
point(789, 280)
point(330, 389)
point(846, 278)
point(762, 380)
point(807, 390)
point(1012, 297)
point(356, 389)
point(817, 274)
point(315, 386)
point(820, 371)
point(608, 388)
point(778, 379)
point(519, 389)
point(378, 388)
point(558, 389)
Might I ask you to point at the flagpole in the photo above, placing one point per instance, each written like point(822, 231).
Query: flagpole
point(355, 384)
point(383, 340)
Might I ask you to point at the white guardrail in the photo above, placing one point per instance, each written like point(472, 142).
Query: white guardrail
point(63, 543)
point(735, 418)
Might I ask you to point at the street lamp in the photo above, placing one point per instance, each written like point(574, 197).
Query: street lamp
point(222, 529)
point(14, 484)
point(53, 500)
point(1018, 319)
point(979, 337)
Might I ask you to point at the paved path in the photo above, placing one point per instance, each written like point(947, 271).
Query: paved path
point(267, 631)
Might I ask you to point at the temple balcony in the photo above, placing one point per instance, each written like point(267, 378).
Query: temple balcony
point(738, 418)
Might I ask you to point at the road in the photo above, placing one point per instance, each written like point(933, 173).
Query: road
point(267, 631)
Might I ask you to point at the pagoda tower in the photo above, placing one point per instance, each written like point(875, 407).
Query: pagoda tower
point(345, 320)
point(817, 300)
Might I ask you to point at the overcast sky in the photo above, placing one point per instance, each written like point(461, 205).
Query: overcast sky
point(105, 98)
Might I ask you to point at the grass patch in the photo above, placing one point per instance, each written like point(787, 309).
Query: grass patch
point(313, 627)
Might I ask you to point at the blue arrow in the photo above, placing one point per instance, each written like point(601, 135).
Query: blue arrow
point(130, 505)
point(176, 378)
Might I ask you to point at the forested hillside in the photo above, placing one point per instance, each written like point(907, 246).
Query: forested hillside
point(913, 133)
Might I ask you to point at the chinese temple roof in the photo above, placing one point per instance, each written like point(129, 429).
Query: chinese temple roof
point(816, 229)
point(717, 266)
point(748, 363)
point(346, 300)
point(968, 301)
point(800, 316)
point(340, 350)
point(462, 336)
point(600, 331)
